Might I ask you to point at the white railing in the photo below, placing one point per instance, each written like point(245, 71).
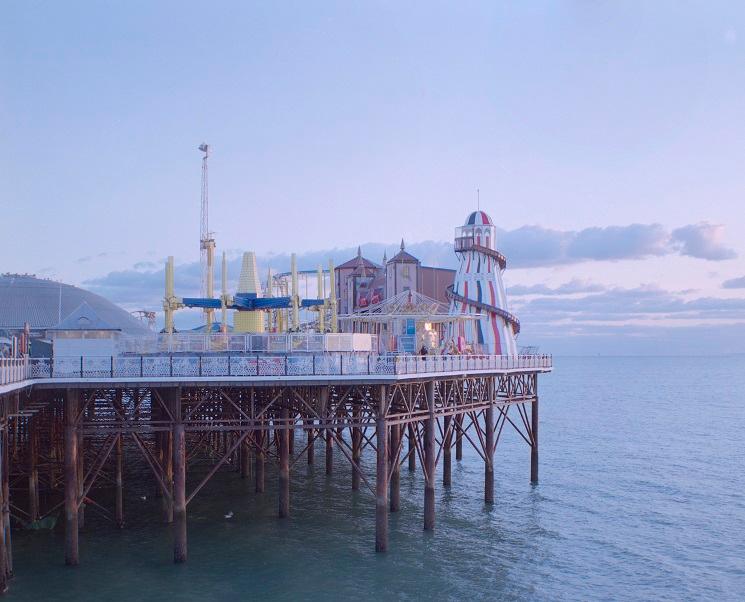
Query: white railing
point(302, 342)
point(326, 364)
point(13, 370)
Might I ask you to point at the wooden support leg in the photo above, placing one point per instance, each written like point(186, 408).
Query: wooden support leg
point(356, 451)
point(429, 459)
point(119, 479)
point(395, 472)
point(167, 502)
point(71, 478)
point(284, 466)
point(245, 459)
point(81, 477)
point(534, 446)
point(33, 470)
point(6, 508)
point(261, 437)
point(179, 478)
point(329, 452)
point(381, 475)
point(459, 438)
point(3, 547)
point(291, 440)
point(489, 455)
point(311, 443)
point(412, 447)
point(447, 466)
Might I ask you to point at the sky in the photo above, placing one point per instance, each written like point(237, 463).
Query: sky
point(605, 138)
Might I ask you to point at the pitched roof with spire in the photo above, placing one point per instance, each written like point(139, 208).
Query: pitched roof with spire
point(354, 263)
point(402, 256)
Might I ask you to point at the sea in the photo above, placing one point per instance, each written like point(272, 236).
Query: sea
point(641, 497)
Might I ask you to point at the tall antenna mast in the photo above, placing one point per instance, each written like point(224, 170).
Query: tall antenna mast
point(206, 241)
point(478, 200)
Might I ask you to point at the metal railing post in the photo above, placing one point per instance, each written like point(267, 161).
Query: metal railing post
point(200, 365)
point(112, 366)
point(229, 370)
point(141, 362)
point(170, 365)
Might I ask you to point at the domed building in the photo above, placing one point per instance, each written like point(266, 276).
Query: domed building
point(45, 303)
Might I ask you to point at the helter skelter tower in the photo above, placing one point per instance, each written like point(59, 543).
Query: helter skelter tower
point(478, 289)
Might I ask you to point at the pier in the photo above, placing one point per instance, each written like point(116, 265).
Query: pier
point(69, 424)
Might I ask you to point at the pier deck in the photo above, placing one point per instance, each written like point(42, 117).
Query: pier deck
point(67, 425)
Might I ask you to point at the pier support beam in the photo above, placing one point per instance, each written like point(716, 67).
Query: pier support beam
point(72, 403)
point(429, 459)
point(311, 442)
point(326, 409)
point(179, 477)
point(447, 465)
point(356, 450)
point(534, 439)
point(4, 568)
point(33, 470)
point(489, 455)
point(395, 472)
point(459, 438)
point(261, 437)
point(412, 446)
point(284, 433)
point(119, 481)
point(245, 459)
point(381, 474)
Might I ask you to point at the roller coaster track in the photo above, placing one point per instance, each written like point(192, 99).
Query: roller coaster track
point(510, 318)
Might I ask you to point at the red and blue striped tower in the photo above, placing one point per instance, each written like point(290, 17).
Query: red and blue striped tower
point(478, 289)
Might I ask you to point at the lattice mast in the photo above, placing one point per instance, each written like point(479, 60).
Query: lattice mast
point(206, 243)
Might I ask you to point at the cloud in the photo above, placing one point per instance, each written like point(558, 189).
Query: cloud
point(645, 302)
point(703, 241)
point(525, 247)
point(734, 283)
point(568, 288)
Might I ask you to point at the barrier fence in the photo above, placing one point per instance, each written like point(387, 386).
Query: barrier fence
point(327, 364)
point(13, 370)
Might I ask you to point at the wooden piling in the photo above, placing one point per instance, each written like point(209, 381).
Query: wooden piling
point(119, 480)
point(33, 470)
point(81, 479)
point(167, 454)
point(260, 437)
point(4, 570)
point(381, 474)
point(429, 459)
point(459, 438)
point(284, 464)
point(395, 469)
point(534, 444)
point(179, 477)
point(71, 477)
point(412, 446)
point(311, 442)
point(447, 465)
point(489, 455)
point(356, 450)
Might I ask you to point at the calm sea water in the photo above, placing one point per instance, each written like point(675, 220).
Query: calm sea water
point(641, 497)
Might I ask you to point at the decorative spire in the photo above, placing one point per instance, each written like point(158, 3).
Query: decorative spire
point(385, 258)
point(359, 251)
point(402, 244)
